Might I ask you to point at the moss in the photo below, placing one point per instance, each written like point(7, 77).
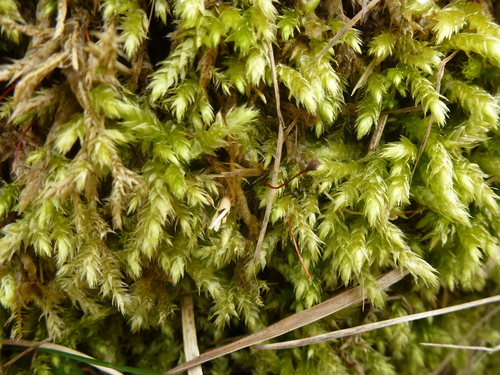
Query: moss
point(112, 169)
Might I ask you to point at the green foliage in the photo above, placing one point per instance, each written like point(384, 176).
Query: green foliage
point(9, 11)
point(131, 121)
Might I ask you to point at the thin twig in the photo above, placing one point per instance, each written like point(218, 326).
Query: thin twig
point(377, 134)
point(440, 72)
point(416, 108)
point(345, 299)
point(424, 143)
point(297, 249)
point(481, 348)
point(346, 28)
point(439, 77)
point(277, 158)
point(377, 325)
point(189, 333)
point(27, 351)
point(362, 80)
point(243, 172)
point(491, 180)
point(450, 355)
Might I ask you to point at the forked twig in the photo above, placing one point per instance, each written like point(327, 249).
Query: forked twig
point(377, 325)
point(277, 158)
point(345, 299)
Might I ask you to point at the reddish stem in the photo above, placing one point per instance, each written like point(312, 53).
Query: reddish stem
point(16, 157)
point(311, 166)
point(284, 183)
point(297, 250)
point(6, 92)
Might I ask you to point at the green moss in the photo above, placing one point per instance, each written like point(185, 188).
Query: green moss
point(113, 164)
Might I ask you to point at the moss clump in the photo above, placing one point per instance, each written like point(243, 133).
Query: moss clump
point(131, 120)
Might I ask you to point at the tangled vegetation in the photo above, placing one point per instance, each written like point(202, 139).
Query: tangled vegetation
point(126, 123)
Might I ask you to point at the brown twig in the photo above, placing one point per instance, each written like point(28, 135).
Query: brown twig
point(346, 28)
point(243, 172)
point(362, 80)
point(27, 351)
point(345, 299)
point(277, 158)
point(416, 108)
point(377, 134)
point(297, 249)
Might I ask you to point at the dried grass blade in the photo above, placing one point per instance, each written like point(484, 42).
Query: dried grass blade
point(300, 319)
point(377, 325)
point(277, 159)
point(481, 348)
point(189, 332)
point(62, 349)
